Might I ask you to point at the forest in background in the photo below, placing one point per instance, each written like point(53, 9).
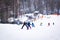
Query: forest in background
point(14, 8)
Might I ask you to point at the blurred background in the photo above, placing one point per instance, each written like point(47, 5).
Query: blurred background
point(12, 9)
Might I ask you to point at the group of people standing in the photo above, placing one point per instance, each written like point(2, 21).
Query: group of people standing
point(28, 25)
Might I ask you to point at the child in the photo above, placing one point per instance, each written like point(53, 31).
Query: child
point(48, 24)
point(28, 25)
point(33, 25)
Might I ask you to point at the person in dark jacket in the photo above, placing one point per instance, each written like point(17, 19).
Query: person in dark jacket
point(28, 25)
point(24, 24)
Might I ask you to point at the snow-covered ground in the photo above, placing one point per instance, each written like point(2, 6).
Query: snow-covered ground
point(44, 32)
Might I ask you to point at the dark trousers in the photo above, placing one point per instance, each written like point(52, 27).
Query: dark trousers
point(26, 26)
point(22, 26)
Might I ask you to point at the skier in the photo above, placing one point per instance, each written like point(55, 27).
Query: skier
point(28, 25)
point(41, 24)
point(53, 23)
point(48, 24)
point(24, 24)
point(33, 25)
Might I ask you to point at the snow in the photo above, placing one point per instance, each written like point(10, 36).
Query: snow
point(44, 32)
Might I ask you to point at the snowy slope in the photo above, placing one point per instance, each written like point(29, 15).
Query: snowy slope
point(44, 32)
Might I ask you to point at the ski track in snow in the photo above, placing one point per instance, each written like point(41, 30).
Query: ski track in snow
point(44, 32)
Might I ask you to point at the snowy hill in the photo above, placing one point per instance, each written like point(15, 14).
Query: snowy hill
point(39, 32)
